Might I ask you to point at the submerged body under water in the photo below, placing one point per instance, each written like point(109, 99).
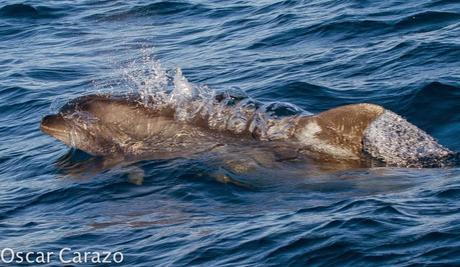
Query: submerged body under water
point(195, 211)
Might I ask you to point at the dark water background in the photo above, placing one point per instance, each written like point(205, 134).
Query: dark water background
point(404, 55)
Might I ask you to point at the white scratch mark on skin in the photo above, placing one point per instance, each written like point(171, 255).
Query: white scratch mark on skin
point(308, 136)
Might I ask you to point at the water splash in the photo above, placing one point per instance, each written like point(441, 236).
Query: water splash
point(57, 103)
point(182, 88)
point(229, 110)
point(146, 76)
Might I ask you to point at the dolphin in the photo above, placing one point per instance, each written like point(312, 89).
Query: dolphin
point(131, 127)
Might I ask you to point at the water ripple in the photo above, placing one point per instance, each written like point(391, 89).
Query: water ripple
point(314, 54)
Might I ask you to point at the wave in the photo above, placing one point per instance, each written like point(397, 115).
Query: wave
point(442, 3)
point(64, 73)
point(347, 27)
point(433, 106)
point(167, 8)
point(449, 193)
point(428, 19)
point(31, 12)
point(333, 29)
point(161, 9)
point(19, 10)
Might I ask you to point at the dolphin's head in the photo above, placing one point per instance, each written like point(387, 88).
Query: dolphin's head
point(78, 131)
point(87, 123)
point(105, 124)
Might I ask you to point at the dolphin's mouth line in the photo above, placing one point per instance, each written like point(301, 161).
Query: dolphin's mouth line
point(53, 131)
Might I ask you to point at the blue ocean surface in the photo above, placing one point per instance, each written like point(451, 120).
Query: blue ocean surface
point(403, 55)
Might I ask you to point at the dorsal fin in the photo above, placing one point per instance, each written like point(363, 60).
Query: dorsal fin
point(397, 142)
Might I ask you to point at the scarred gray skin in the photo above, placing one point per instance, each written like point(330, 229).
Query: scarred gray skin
point(399, 143)
point(127, 127)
